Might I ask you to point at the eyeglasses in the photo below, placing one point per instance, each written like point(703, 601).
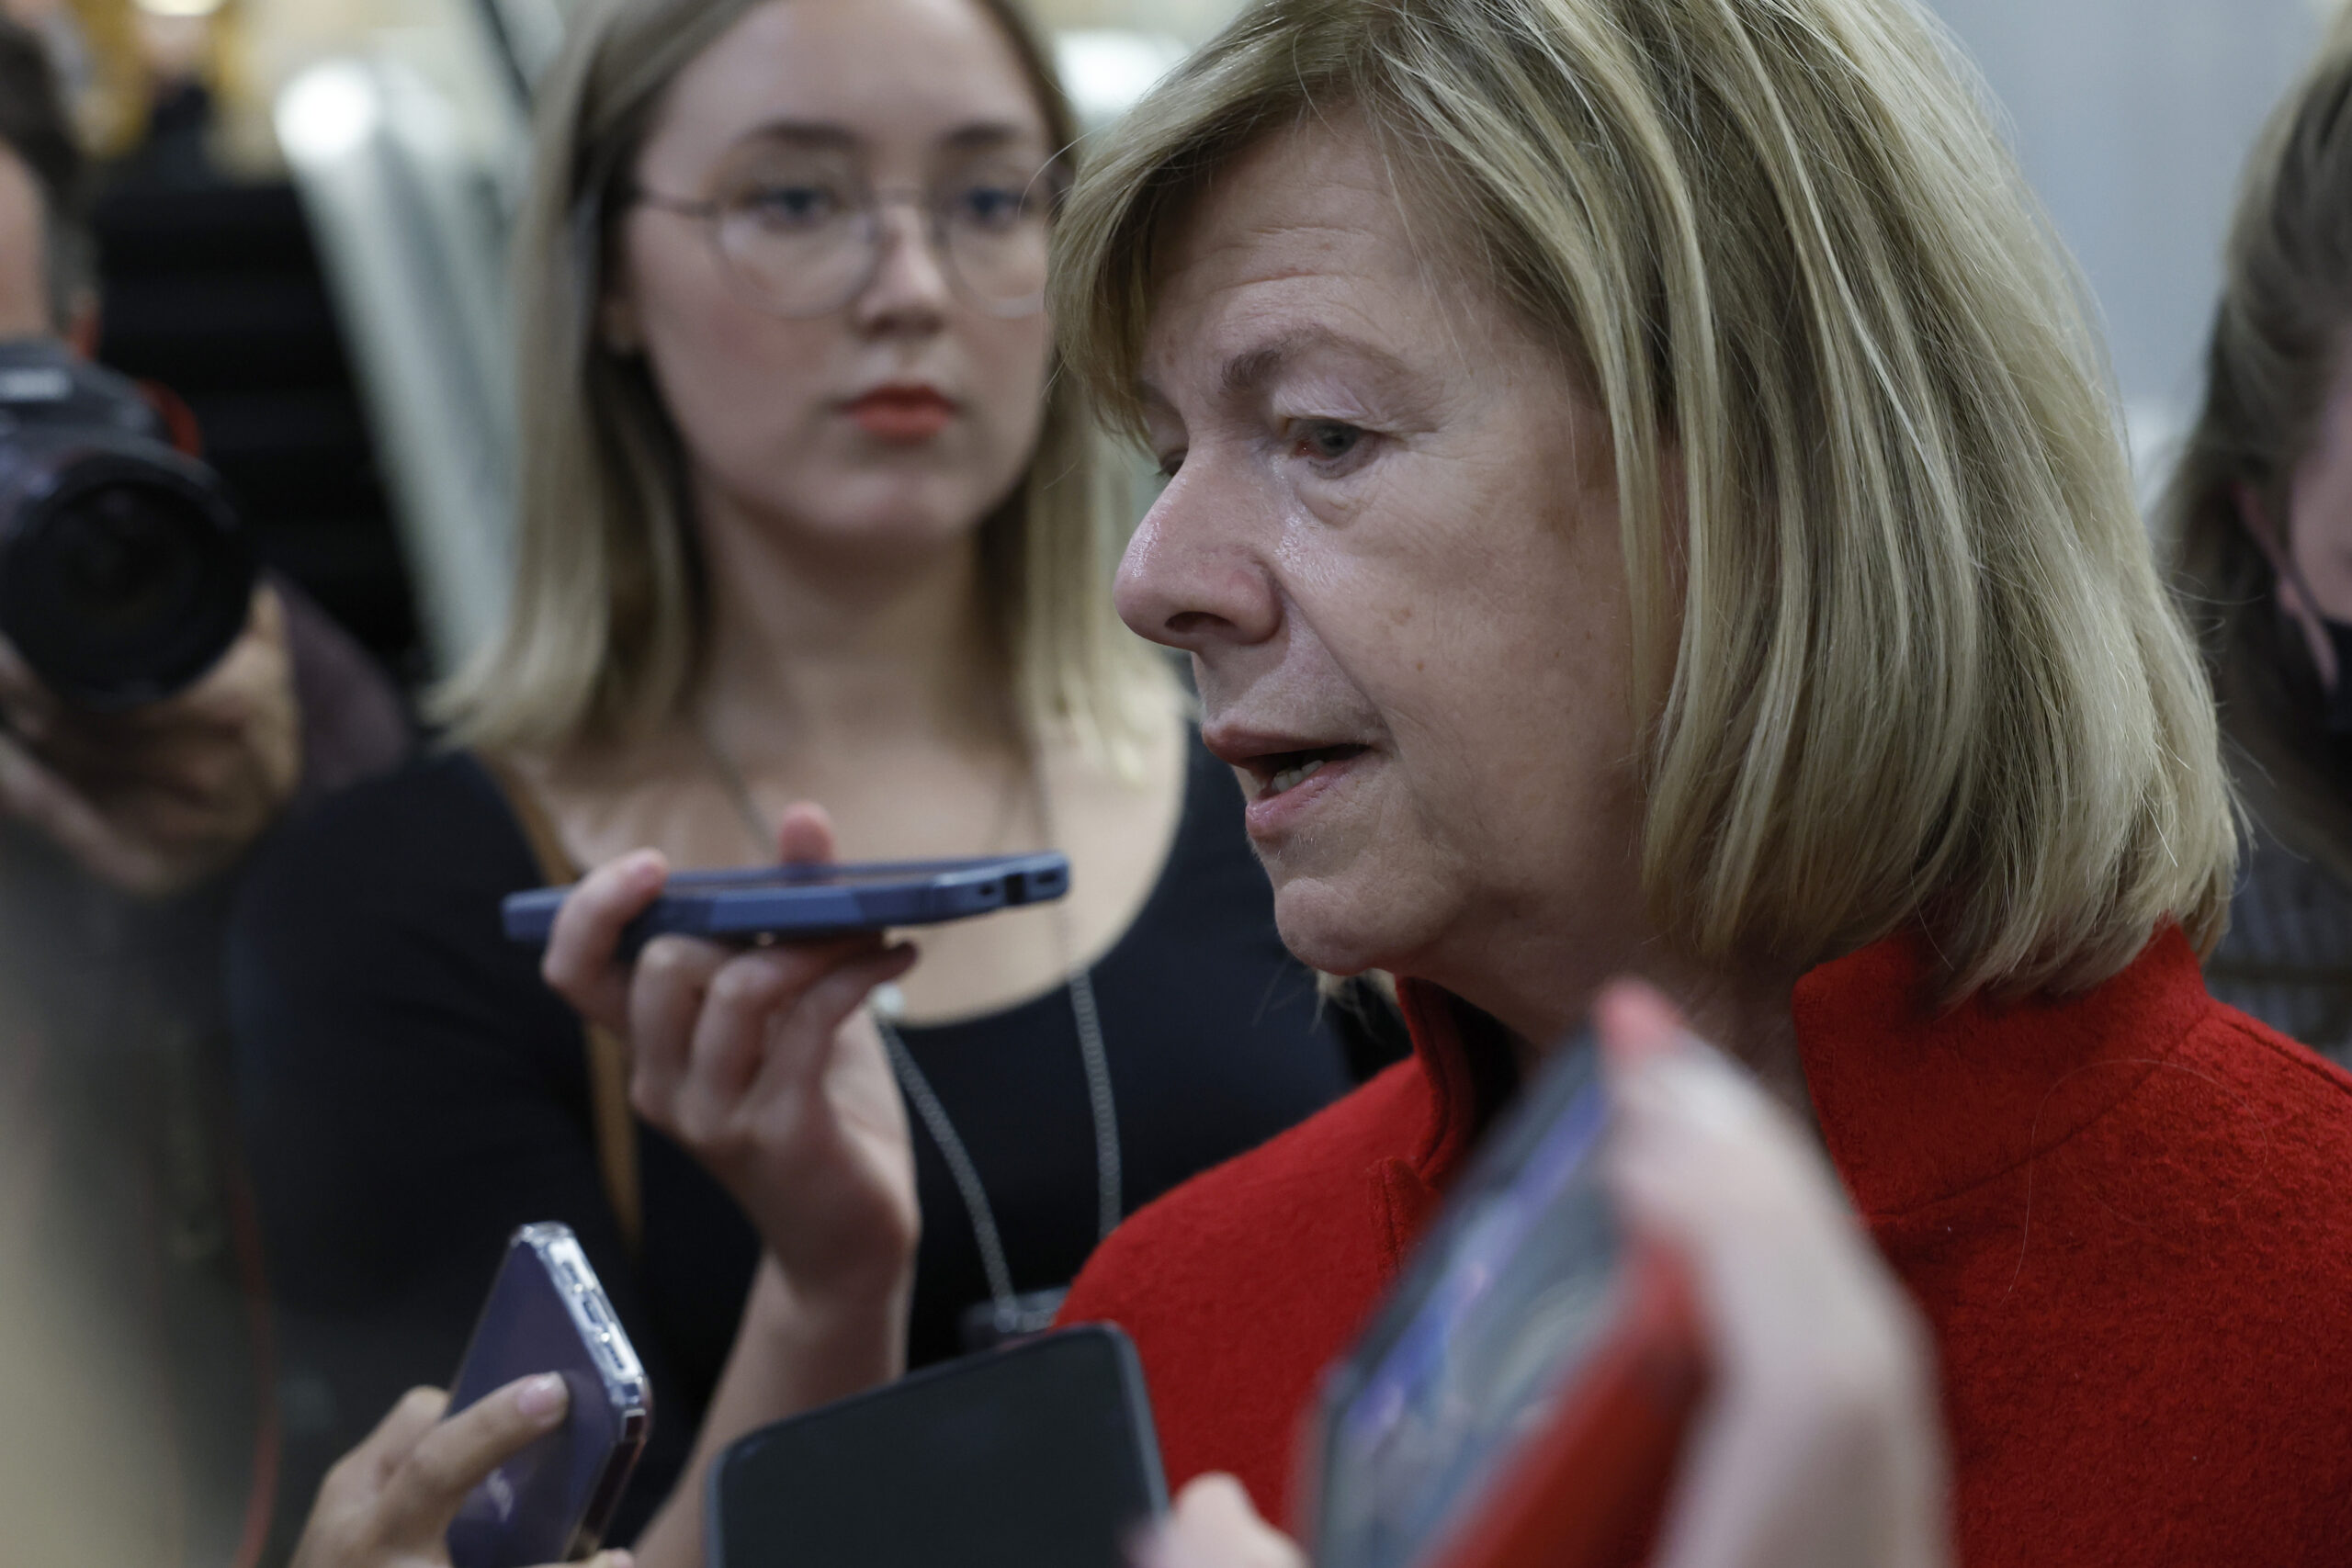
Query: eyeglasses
point(799, 233)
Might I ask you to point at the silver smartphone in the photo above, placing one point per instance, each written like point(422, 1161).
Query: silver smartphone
point(546, 1313)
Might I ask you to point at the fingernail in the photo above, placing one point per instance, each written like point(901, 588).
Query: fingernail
point(542, 1398)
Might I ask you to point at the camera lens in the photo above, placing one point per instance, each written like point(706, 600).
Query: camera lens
point(125, 582)
point(124, 562)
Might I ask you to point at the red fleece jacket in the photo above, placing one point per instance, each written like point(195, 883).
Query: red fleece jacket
point(2126, 1214)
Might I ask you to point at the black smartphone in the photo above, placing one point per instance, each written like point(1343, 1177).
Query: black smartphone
point(1039, 1453)
point(546, 1313)
point(803, 902)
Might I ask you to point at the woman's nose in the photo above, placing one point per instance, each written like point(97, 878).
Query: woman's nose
point(910, 288)
point(1191, 578)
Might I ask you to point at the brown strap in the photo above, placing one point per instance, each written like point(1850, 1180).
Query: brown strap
point(607, 1057)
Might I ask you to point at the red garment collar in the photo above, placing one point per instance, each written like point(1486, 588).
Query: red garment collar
point(1915, 1104)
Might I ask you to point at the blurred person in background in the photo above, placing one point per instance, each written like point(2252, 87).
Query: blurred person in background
point(1642, 499)
point(2259, 515)
point(120, 837)
point(808, 514)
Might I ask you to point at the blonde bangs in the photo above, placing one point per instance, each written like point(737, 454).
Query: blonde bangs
point(1900, 641)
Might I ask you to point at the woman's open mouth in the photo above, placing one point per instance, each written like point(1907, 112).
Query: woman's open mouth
point(1282, 771)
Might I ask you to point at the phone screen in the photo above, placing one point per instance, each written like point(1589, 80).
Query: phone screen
point(1467, 1362)
point(1038, 1454)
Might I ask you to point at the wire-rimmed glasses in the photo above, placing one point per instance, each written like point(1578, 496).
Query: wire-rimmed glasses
point(798, 230)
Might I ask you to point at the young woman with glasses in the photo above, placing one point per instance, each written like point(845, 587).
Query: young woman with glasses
point(809, 516)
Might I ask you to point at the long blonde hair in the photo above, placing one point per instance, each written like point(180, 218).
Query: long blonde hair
point(2279, 342)
point(1902, 648)
point(604, 634)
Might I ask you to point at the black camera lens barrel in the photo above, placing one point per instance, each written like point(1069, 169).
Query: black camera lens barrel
point(124, 574)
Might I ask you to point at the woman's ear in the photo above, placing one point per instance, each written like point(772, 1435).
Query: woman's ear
point(618, 326)
point(2254, 516)
point(616, 323)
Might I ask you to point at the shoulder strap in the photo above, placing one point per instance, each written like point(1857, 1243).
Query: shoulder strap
point(616, 1127)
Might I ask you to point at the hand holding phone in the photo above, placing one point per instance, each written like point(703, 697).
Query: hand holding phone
point(1521, 1398)
point(1718, 1238)
point(763, 1065)
point(1822, 1443)
point(547, 1315)
point(388, 1503)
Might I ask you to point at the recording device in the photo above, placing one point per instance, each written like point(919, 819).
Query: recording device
point(545, 1313)
point(1039, 1453)
point(802, 903)
point(123, 573)
point(1523, 1397)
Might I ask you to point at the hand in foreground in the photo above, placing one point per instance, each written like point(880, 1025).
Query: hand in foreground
point(1819, 1447)
point(157, 799)
point(765, 1065)
point(388, 1503)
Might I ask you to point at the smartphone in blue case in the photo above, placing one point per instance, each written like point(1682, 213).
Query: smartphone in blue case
point(546, 1313)
point(801, 903)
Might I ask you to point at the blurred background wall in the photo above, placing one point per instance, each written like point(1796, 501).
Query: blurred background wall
point(2133, 119)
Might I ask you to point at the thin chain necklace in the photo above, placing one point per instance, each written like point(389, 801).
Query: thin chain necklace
point(1012, 1312)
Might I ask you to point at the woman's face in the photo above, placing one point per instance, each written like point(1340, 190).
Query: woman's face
point(1390, 545)
point(902, 417)
point(2319, 531)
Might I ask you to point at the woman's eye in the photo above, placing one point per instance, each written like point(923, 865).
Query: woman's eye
point(1327, 441)
point(988, 207)
point(792, 206)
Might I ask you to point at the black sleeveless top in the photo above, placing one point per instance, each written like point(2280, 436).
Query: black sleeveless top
point(410, 1091)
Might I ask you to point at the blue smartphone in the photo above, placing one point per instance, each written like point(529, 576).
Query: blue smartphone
point(800, 903)
point(545, 1313)
point(1038, 1455)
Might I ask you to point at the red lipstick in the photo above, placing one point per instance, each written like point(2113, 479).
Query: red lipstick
point(903, 411)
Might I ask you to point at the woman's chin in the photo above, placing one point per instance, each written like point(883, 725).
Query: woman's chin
point(1335, 929)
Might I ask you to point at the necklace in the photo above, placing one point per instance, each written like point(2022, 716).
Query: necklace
point(1007, 1313)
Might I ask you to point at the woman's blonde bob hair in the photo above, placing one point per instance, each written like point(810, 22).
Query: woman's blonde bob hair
point(606, 629)
point(1904, 649)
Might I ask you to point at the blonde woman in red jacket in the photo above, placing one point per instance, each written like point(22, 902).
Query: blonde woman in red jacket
point(1642, 499)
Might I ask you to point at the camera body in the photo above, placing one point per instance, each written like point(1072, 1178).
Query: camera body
point(124, 574)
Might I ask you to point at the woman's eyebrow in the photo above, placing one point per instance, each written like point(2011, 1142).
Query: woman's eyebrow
point(805, 133)
point(1248, 372)
point(986, 135)
point(981, 135)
